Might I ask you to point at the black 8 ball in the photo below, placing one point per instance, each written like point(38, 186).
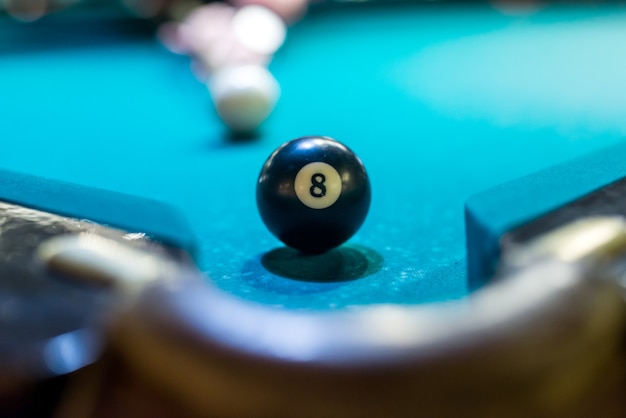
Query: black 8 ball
point(313, 193)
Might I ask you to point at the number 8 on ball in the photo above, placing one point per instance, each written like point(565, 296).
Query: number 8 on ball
point(313, 193)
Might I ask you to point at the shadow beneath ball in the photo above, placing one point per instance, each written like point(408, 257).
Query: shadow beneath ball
point(346, 263)
point(231, 140)
point(242, 137)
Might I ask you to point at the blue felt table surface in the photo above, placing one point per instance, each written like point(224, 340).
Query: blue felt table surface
point(439, 102)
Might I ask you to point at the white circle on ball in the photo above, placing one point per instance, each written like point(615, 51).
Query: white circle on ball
point(318, 185)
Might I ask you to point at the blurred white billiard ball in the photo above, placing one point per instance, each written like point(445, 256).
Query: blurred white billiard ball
point(244, 96)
